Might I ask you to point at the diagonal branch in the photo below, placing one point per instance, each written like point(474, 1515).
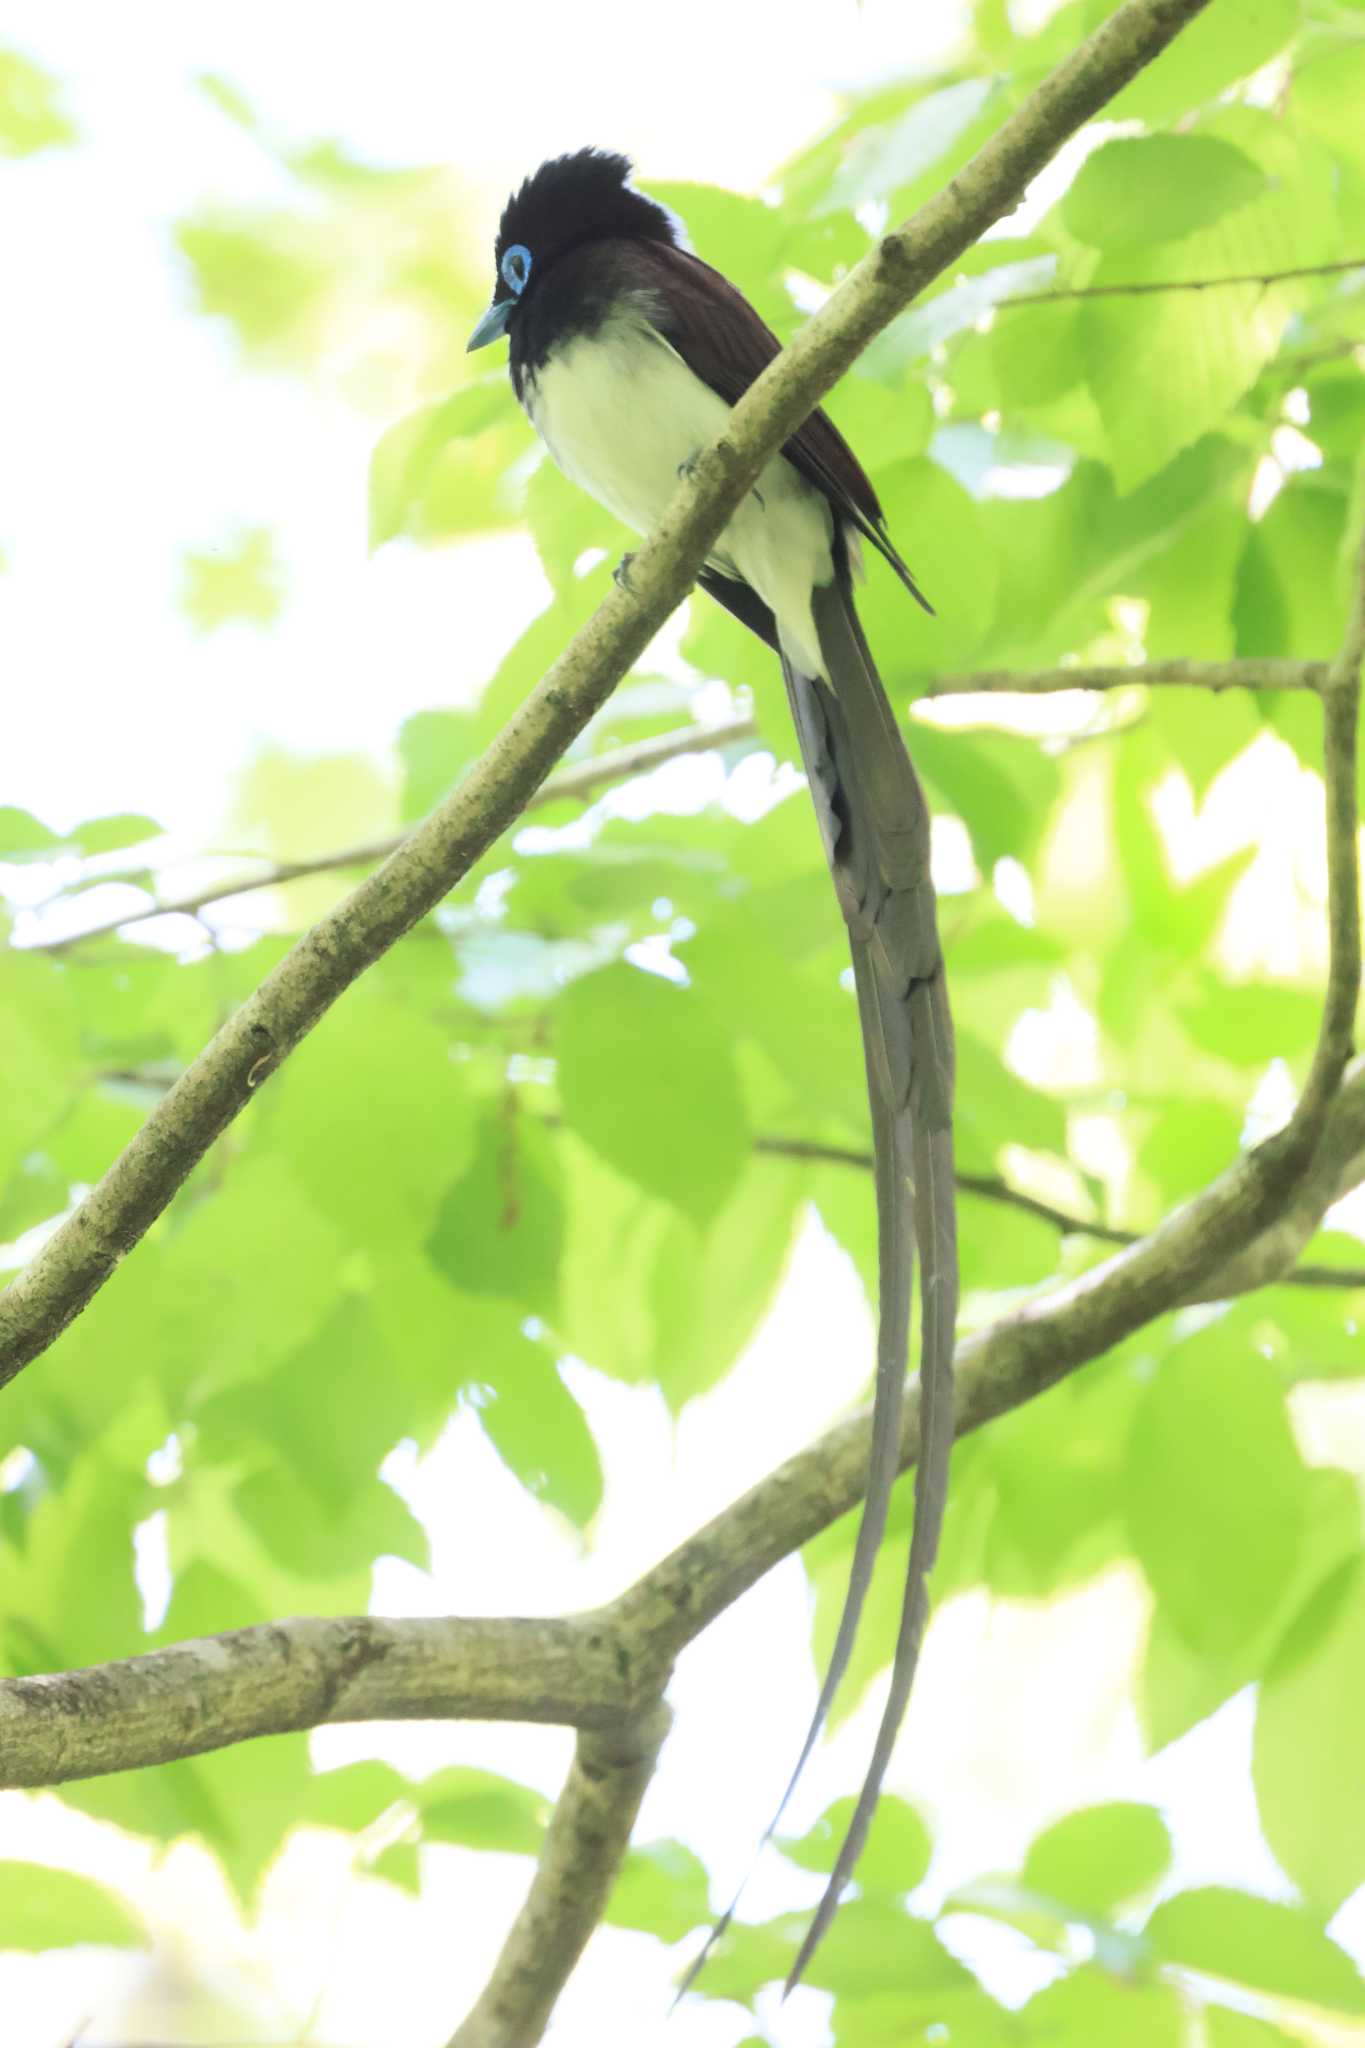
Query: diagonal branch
point(79, 1257)
point(585, 1846)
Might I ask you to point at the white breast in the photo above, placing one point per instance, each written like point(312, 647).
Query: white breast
point(621, 413)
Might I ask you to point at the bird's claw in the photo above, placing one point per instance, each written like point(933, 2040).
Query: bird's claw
point(621, 573)
point(688, 468)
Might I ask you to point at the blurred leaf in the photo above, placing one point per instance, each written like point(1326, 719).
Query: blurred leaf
point(538, 1428)
point(241, 581)
point(662, 1890)
point(1215, 1489)
point(881, 159)
point(1266, 1946)
point(31, 117)
point(1155, 188)
point(710, 1290)
point(1101, 1857)
point(43, 1908)
point(1089, 2006)
point(480, 1810)
point(110, 835)
point(500, 1228)
point(1211, 53)
point(649, 1081)
point(404, 466)
point(895, 1858)
point(1181, 1684)
point(1308, 1766)
point(22, 834)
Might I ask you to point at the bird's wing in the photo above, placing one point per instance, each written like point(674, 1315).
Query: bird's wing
point(722, 339)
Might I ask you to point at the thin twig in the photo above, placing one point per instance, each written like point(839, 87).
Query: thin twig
point(1253, 673)
point(583, 779)
point(1259, 673)
point(1179, 284)
point(990, 1189)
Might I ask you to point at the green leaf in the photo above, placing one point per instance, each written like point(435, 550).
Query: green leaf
point(435, 748)
point(1228, 2029)
point(649, 1080)
point(1166, 366)
point(1216, 49)
point(1181, 1685)
point(995, 1108)
point(70, 1597)
point(1266, 1946)
point(21, 834)
point(500, 1228)
point(241, 581)
point(30, 113)
point(538, 1429)
point(481, 1810)
point(378, 1167)
point(43, 1908)
point(1100, 1857)
point(1090, 2006)
point(709, 1290)
point(881, 159)
point(1215, 1492)
point(1308, 1764)
point(405, 480)
point(872, 1948)
point(1156, 188)
point(1328, 94)
point(110, 835)
point(39, 1052)
point(896, 1856)
point(663, 1890)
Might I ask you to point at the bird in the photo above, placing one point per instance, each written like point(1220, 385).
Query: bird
point(627, 353)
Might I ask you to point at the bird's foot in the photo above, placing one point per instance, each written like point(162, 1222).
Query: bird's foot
point(689, 467)
point(621, 573)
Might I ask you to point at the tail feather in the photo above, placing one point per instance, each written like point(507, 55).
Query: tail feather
point(876, 826)
point(874, 823)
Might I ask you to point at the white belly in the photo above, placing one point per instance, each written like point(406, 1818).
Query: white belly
point(621, 413)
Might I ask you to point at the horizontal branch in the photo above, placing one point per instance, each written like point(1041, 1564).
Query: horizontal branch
point(1262, 673)
point(583, 779)
point(1264, 278)
point(284, 1676)
point(1338, 1168)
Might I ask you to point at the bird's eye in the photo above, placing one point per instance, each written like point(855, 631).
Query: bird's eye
point(516, 268)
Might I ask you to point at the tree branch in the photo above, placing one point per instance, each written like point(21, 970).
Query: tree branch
point(1338, 1167)
point(82, 1253)
point(1262, 673)
point(1264, 278)
point(585, 1846)
point(583, 779)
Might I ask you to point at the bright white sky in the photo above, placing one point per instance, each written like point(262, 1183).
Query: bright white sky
point(128, 432)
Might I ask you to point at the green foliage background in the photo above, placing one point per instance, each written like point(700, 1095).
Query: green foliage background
point(335, 1279)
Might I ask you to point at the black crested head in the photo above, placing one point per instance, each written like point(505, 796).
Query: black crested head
point(583, 197)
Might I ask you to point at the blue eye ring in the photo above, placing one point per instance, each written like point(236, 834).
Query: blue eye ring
point(516, 268)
